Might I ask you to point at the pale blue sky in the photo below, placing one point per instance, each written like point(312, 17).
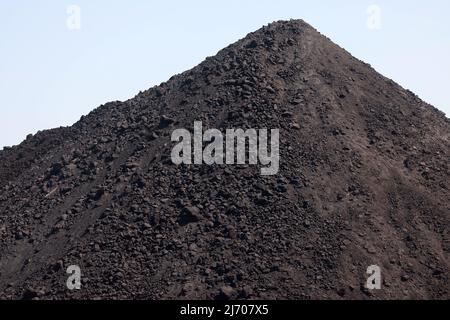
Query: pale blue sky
point(50, 75)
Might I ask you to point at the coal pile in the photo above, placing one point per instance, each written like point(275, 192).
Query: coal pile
point(363, 180)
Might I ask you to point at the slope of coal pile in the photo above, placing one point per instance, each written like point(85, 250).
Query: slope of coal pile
point(363, 180)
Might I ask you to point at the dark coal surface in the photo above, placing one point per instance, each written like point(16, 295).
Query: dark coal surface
point(364, 179)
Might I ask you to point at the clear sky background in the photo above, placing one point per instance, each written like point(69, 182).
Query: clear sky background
point(51, 74)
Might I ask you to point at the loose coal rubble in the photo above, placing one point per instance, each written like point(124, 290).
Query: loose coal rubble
point(363, 180)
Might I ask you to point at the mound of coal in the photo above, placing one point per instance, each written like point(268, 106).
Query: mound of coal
point(363, 180)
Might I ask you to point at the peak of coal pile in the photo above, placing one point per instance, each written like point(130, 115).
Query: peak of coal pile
point(363, 180)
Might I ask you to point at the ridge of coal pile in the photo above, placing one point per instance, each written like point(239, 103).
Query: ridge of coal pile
point(363, 180)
